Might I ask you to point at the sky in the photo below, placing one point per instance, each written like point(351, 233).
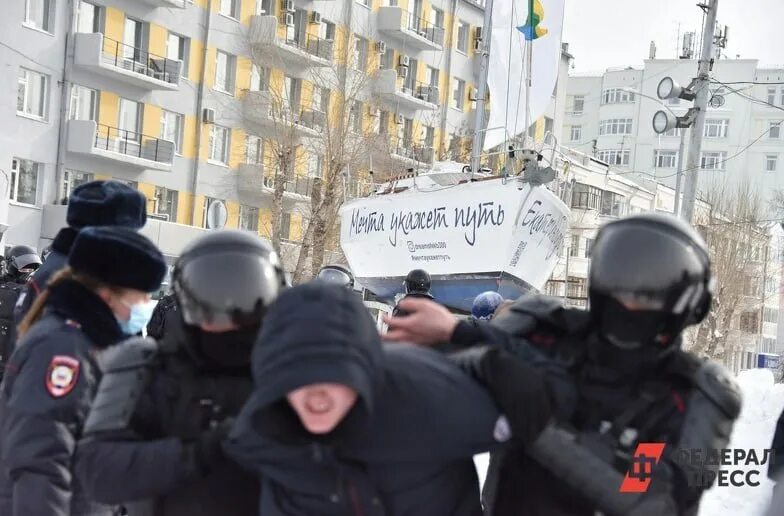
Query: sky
point(607, 33)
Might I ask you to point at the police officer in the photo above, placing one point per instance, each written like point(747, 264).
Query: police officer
point(336, 274)
point(416, 285)
point(86, 309)
point(649, 279)
point(20, 262)
point(164, 317)
point(163, 408)
point(97, 203)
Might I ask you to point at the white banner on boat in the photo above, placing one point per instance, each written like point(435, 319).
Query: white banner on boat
point(474, 227)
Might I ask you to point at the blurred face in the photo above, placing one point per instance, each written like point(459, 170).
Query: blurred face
point(322, 406)
point(218, 327)
point(120, 301)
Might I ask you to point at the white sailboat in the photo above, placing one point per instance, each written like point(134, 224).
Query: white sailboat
point(471, 231)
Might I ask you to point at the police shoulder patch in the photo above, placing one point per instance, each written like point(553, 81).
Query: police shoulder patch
point(62, 374)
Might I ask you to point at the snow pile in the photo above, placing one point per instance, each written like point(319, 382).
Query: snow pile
point(762, 403)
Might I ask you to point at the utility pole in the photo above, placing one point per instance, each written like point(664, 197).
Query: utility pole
point(679, 177)
point(701, 103)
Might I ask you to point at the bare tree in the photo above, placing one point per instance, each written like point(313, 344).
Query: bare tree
point(738, 243)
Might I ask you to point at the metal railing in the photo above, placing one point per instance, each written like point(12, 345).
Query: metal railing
point(314, 46)
point(133, 144)
point(297, 185)
point(139, 61)
point(420, 90)
point(424, 28)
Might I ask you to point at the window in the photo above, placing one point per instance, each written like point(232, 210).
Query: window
point(219, 144)
point(771, 161)
point(84, 103)
point(228, 8)
point(713, 160)
point(588, 247)
point(749, 322)
point(249, 218)
point(676, 131)
point(38, 14)
point(614, 157)
point(178, 49)
point(166, 203)
point(292, 89)
point(548, 125)
point(433, 77)
point(129, 120)
point(224, 72)
point(24, 181)
point(586, 197)
point(254, 150)
point(327, 30)
point(88, 17)
point(360, 53)
point(388, 60)
point(770, 315)
point(462, 36)
point(458, 93)
point(774, 130)
point(576, 288)
point(716, 128)
point(613, 204)
point(72, 179)
point(437, 17)
point(665, 158)
point(577, 133)
point(315, 164)
point(617, 96)
point(32, 93)
point(355, 117)
point(574, 247)
point(578, 105)
point(133, 41)
point(285, 226)
point(408, 133)
point(265, 7)
point(771, 95)
point(782, 96)
point(172, 128)
point(615, 126)
point(259, 78)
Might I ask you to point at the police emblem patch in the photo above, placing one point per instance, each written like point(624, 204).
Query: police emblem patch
point(62, 375)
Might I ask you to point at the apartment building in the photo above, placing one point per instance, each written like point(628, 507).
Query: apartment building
point(187, 100)
point(744, 136)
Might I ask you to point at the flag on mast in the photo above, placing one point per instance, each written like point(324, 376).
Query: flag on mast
point(515, 24)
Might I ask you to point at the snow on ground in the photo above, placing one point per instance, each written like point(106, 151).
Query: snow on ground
point(762, 403)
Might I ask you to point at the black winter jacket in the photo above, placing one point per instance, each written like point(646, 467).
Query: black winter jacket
point(405, 448)
point(50, 382)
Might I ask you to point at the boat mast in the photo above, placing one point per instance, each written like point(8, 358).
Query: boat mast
point(479, 120)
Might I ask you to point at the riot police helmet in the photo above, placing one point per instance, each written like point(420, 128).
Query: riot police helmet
point(227, 279)
point(417, 282)
point(485, 305)
point(22, 260)
point(337, 275)
point(650, 277)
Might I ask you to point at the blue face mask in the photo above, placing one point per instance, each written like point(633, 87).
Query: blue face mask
point(141, 313)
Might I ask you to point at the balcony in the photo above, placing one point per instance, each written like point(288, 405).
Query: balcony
point(412, 95)
point(257, 187)
point(306, 51)
point(179, 4)
point(115, 60)
point(118, 145)
point(409, 30)
point(269, 116)
point(392, 155)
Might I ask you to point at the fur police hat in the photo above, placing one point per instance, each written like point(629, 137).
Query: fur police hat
point(118, 256)
point(106, 203)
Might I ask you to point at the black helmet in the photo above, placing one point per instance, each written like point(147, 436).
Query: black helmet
point(336, 274)
point(649, 279)
point(227, 277)
point(417, 281)
point(21, 260)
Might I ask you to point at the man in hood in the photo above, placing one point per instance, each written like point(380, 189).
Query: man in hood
point(340, 425)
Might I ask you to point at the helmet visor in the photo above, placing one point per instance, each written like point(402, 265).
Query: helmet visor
point(336, 277)
point(27, 261)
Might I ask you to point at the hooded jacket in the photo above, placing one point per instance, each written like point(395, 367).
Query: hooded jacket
point(406, 446)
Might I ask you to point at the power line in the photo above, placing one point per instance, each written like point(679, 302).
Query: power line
point(750, 82)
point(749, 97)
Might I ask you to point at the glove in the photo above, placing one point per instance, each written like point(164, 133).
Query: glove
point(520, 390)
point(208, 449)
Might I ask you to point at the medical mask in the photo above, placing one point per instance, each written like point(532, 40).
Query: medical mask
point(141, 313)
